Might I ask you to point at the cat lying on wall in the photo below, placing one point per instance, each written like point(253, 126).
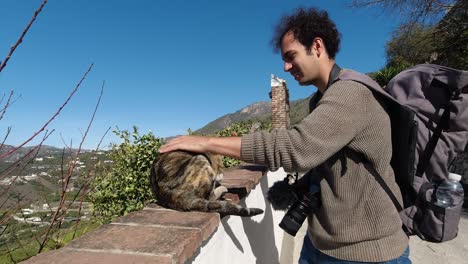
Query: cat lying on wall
point(187, 181)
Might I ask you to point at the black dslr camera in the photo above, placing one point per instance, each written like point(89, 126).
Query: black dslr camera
point(299, 196)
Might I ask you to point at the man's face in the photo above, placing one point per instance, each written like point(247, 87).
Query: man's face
point(298, 61)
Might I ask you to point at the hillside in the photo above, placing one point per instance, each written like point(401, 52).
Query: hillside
point(38, 177)
point(259, 111)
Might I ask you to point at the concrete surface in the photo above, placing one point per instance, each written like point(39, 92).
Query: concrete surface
point(421, 252)
point(451, 252)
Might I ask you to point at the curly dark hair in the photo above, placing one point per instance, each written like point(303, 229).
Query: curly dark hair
point(307, 24)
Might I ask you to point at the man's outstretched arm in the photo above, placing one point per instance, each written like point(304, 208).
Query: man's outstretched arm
point(226, 146)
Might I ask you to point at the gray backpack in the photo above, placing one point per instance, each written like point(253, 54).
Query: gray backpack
point(428, 109)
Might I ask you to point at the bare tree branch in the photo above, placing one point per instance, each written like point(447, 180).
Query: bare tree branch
point(52, 118)
point(15, 165)
point(20, 39)
point(5, 138)
point(411, 11)
point(102, 138)
point(2, 112)
point(58, 216)
point(83, 188)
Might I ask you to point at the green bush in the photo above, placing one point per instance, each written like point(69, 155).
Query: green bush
point(384, 75)
point(125, 186)
point(239, 129)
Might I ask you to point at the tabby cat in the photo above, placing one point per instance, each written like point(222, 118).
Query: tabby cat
point(187, 181)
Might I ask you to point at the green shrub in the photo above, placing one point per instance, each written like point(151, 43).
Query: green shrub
point(125, 186)
point(239, 129)
point(384, 75)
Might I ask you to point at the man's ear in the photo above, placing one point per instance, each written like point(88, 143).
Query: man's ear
point(318, 46)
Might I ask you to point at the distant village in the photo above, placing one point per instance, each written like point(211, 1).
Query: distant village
point(78, 164)
point(25, 215)
point(44, 168)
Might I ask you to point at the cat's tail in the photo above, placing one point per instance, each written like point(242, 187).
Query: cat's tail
point(223, 208)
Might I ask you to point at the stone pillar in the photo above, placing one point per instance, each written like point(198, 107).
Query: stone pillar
point(279, 103)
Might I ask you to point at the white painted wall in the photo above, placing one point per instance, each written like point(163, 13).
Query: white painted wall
point(258, 239)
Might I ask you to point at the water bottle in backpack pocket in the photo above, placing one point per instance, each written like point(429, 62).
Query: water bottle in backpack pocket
point(450, 192)
point(441, 214)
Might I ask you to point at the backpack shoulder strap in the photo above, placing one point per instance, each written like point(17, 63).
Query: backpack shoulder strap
point(367, 81)
point(404, 116)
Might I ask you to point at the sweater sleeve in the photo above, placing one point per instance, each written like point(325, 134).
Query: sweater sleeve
point(339, 117)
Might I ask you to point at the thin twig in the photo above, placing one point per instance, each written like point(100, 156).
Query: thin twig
point(102, 138)
point(62, 170)
point(5, 138)
point(7, 104)
point(63, 142)
point(34, 150)
point(13, 211)
point(52, 118)
point(17, 163)
point(83, 191)
point(68, 177)
point(20, 39)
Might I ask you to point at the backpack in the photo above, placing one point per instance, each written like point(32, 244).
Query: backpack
point(428, 109)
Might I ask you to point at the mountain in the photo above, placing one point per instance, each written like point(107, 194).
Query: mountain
point(256, 111)
point(259, 111)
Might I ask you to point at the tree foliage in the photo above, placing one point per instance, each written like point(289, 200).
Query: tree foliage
point(445, 43)
point(432, 31)
point(412, 11)
point(412, 47)
point(125, 187)
point(451, 37)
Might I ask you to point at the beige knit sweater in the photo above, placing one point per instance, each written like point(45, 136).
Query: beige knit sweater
point(357, 220)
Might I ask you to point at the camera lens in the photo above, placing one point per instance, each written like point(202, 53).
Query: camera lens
point(298, 212)
point(294, 218)
point(290, 226)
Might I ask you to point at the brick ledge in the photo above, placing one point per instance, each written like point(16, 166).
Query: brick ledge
point(154, 234)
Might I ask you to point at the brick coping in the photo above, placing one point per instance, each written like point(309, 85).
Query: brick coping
point(154, 234)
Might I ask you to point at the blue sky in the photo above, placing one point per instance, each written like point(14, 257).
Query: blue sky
point(167, 65)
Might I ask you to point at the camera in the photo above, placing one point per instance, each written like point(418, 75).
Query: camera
point(300, 196)
point(299, 211)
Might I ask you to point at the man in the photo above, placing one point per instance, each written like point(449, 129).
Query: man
point(357, 221)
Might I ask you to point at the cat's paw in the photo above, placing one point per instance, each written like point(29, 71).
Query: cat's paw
point(219, 191)
point(219, 177)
